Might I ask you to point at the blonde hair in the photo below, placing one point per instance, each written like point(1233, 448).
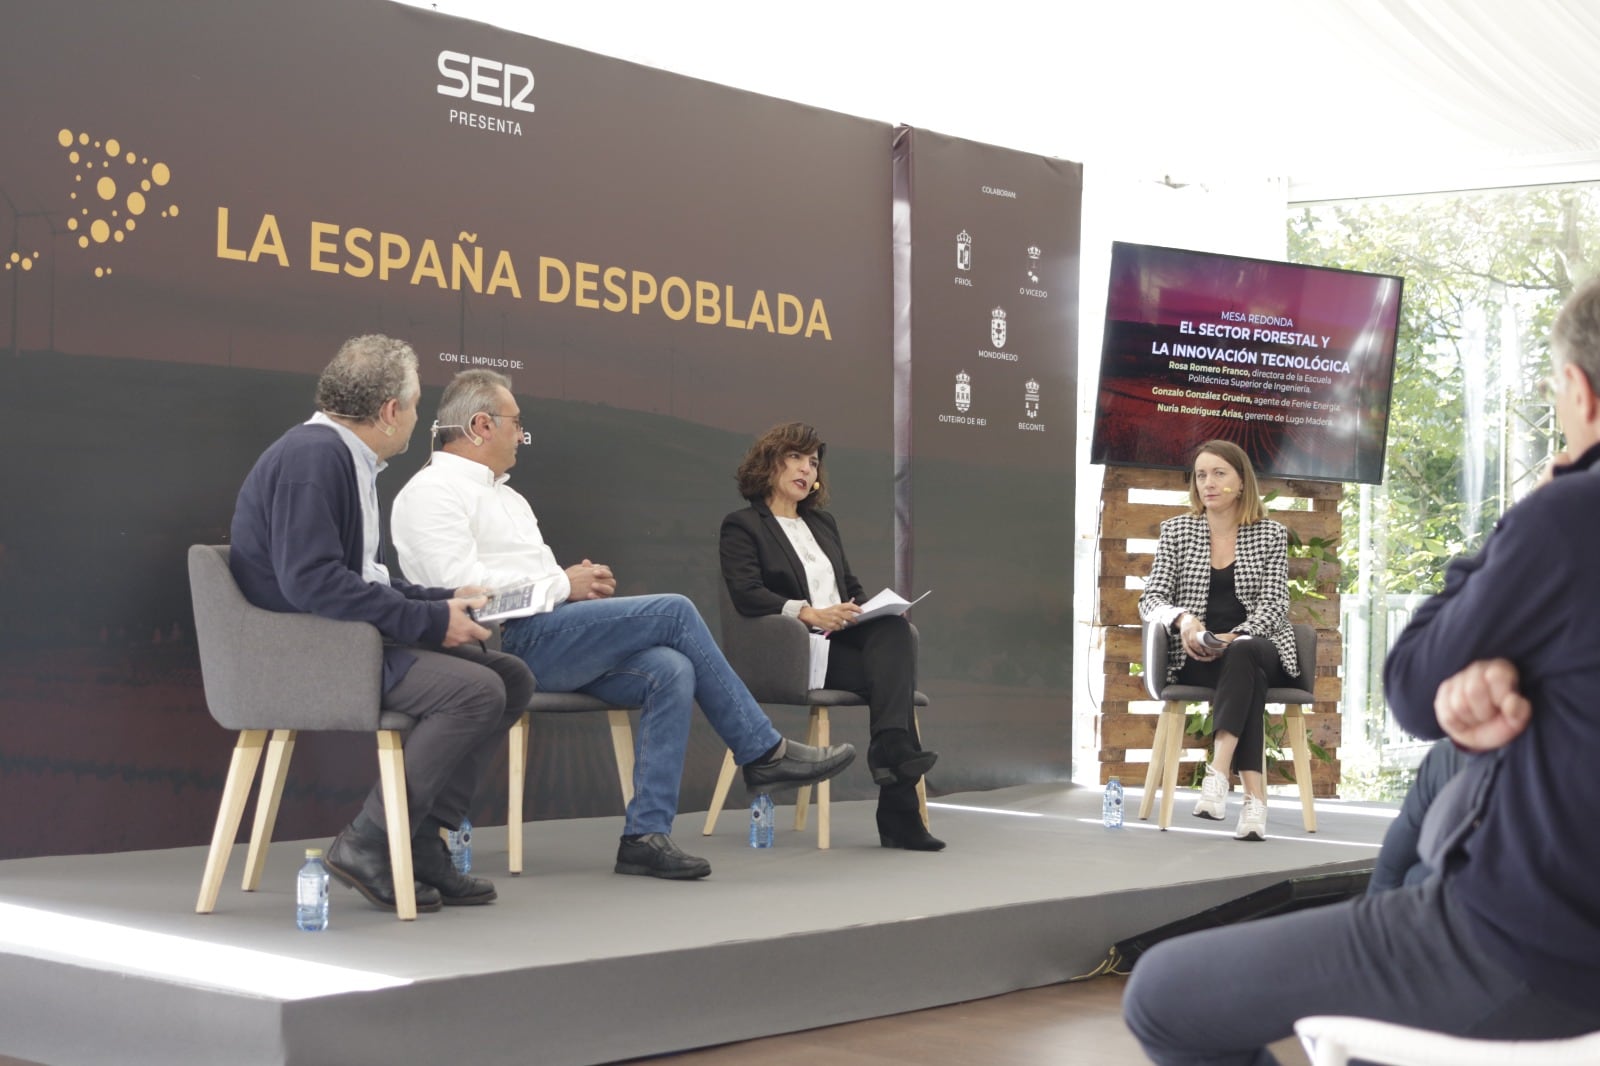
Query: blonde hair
point(1250, 508)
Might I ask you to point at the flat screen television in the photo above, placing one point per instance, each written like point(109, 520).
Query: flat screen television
point(1292, 363)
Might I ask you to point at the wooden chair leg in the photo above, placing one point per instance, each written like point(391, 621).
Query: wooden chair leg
point(1152, 773)
point(280, 749)
point(719, 795)
point(1169, 761)
point(1295, 723)
point(517, 762)
point(802, 798)
point(235, 790)
point(824, 789)
point(622, 745)
point(397, 814)
point(922, 784)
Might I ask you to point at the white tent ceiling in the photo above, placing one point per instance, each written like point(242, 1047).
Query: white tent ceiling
point(1338, 97)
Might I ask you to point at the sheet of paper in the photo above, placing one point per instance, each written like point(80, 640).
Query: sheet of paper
point(885, 603)
point(817, 676)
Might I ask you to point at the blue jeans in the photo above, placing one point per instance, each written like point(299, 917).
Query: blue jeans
point(654, 653)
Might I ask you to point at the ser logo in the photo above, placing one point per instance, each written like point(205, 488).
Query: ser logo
point(485, 81)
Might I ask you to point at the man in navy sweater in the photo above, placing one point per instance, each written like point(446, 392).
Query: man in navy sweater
point(1503, 941)
point(305, 538)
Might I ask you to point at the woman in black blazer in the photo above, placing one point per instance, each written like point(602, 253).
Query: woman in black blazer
point(783, 555)
point(1223, 569)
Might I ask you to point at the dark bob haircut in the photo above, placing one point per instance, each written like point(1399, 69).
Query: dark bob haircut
point(765, 457)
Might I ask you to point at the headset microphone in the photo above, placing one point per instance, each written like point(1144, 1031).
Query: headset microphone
point(433, 433)
point(815, 485)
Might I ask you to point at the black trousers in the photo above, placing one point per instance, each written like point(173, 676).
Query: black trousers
point(464, 700)
point(878, 659)
point(1241, 677)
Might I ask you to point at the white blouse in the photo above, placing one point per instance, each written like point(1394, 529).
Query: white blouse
point(820, 578)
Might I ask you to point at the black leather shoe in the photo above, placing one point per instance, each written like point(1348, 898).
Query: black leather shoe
point(894, 759)
point(655, 855)
point(904, 829)
point(365, 868)
point(430, 862)
point(800, 764)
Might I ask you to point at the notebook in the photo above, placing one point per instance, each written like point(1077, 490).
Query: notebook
point(884, 603)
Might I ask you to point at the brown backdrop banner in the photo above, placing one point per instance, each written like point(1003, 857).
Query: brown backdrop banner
point(201, 201)
point(987, 263)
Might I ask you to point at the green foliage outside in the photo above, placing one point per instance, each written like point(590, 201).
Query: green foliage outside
point(1483, 272)
point(1484, 275)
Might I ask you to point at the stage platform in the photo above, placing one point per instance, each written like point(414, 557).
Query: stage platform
point(103, 960)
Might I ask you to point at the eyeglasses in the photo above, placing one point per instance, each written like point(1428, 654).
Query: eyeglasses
point(516, 419)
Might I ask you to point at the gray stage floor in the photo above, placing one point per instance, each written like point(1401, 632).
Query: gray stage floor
point(102, 958)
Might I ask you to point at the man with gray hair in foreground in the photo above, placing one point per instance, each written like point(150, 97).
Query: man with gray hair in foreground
point(305, 539)
point(458, 522)
point(1502, 941)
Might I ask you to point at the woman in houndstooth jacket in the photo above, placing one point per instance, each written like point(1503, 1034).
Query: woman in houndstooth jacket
point(1223, 569)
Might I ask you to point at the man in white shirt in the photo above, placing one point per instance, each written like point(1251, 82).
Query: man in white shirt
point(458, 517)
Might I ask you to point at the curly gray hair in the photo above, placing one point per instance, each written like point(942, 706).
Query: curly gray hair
point(368, 372)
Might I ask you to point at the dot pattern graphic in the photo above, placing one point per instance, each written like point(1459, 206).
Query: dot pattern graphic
point(125, 186)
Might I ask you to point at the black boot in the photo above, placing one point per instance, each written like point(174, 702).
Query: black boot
point(895, 758)
point(904, 829)
point(430, 862)
point(363, 864)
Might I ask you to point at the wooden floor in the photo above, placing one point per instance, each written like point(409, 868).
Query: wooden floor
point(1059, 1025)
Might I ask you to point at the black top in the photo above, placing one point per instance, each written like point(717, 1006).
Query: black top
point(1223, 609)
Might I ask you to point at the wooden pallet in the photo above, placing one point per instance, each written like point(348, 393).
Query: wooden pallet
point(1127, 721)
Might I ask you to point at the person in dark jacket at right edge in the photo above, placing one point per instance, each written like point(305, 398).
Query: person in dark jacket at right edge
point(1399, 860)
point(1503, 940)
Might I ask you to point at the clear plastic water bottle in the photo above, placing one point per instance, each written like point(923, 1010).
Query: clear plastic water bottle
point(311, 894)
point(461, 846)
point(1111, 804)
point(761, 816)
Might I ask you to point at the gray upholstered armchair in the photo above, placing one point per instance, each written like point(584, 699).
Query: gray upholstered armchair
point(1167, 748)
point(266, 671)
point(517, 756)
point(772, 656)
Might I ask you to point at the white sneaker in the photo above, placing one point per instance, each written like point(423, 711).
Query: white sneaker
point(1213, 802)
point(1252, 820)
